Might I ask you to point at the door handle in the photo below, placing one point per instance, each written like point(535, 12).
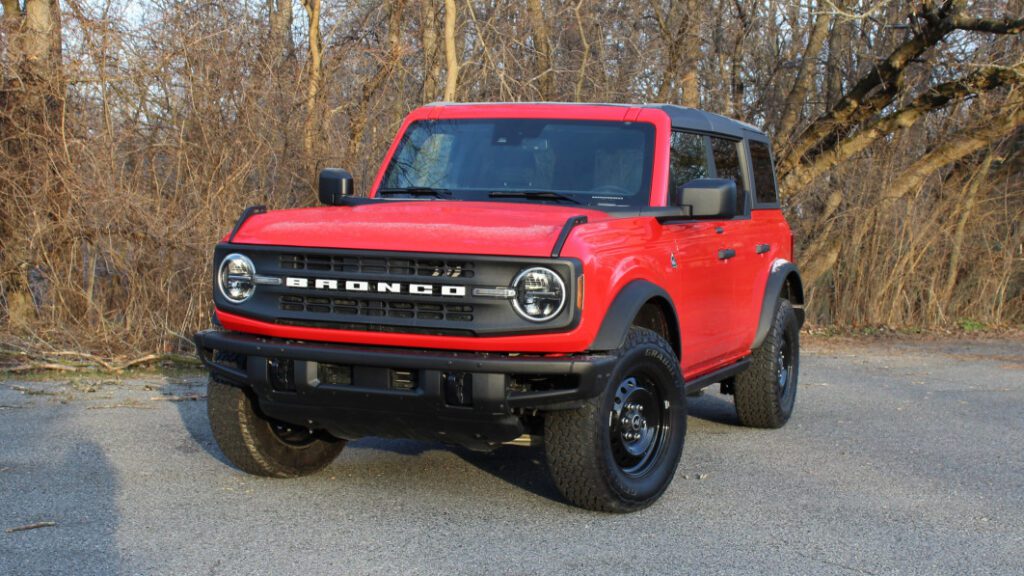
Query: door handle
point(726, 253)
point(762, 248)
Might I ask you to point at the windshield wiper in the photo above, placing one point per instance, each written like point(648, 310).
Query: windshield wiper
point(417, 191)
point(534, 194)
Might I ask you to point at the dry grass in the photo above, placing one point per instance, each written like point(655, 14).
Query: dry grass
point(122, 168)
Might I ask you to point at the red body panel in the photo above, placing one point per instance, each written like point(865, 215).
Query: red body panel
point(718, 301)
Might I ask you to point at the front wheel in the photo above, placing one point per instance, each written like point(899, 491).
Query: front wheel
point(619, 452)
point(262, 446)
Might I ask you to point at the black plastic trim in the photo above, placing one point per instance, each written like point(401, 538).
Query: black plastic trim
point(624, 309)
point(368, 408)
point(706, 380)
point(776, 280)
point(246, 214)
point(571, 223)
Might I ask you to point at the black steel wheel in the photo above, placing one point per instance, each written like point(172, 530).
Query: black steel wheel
point(620, 450)
point(638, 425)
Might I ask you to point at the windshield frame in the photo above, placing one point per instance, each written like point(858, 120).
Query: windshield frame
point(589, 200)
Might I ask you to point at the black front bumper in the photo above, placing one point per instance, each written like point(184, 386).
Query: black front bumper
point(471, 398)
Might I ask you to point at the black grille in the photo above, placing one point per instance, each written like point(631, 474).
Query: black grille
point(421, 267)
point(378, 308)
point(375, 291)
point(330, 325)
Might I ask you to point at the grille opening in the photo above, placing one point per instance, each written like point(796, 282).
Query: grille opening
point(280, 372)
point(334, 374)
point(377, 265)
point(367, 327)
point(377, 308)
point(458, 388)
point(404, 379)
point(522, 383)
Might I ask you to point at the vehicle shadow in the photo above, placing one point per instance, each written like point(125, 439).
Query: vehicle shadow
point(712, 407)
point(522, 467)
point(190, 401)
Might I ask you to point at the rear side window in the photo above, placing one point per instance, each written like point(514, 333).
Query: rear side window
point(764, 176)
point(727, 165)
point(688, 160)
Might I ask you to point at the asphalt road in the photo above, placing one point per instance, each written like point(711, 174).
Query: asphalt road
point(901, 458)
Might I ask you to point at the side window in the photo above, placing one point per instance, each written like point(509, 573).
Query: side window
point(688, 160)
point(764, 176)
point(727, 165)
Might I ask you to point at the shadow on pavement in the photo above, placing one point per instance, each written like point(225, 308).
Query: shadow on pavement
point(525, 468)
point(194, 419)
point(77, 490)
point(713, 408)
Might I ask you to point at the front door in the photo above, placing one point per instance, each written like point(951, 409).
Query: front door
point(705, 270)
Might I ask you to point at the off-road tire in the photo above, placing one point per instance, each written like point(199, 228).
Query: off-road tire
point(250, 442)
point(762, 399)
point(585, 447)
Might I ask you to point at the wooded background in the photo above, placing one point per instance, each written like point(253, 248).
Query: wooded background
point(132, 134)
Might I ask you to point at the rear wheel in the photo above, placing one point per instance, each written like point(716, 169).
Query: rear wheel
point(766, 392)
point(619, 452)
point(262, 446)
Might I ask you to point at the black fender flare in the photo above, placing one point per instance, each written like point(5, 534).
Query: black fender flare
point(623, 310)
point(781, 272)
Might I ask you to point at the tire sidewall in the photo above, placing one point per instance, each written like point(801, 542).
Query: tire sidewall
point(662, 368)
point(788, 327)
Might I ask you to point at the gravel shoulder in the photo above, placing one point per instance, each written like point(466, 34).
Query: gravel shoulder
point(902, 457)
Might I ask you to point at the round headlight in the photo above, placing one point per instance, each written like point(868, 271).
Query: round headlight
point(236, 278)
point(540, 294)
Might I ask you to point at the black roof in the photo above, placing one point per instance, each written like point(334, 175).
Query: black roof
point(681, 117)
point(694, 119)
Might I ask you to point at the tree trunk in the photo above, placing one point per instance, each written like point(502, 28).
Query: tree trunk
point(805, 78)
point(315, 80)
point(450, 51)
point(692, 44)
point(428, 38)
point(280, 44)
point(542, 46)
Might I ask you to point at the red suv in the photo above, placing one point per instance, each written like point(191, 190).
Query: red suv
point(519, 273)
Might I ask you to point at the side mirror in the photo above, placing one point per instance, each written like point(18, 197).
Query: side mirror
point(709, 198)
point(335, 185)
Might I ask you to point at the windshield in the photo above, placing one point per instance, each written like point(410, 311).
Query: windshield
point(599, 164)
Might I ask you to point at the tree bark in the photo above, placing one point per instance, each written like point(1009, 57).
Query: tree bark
point(981, 80)
point(450, 51)
point(542, 46)
point(828, 245)
point(391, 60)
point(428, 38)
point(315, 52)
point(805, 77)
point(692, 43)
point(280, 43)
point(880, 86)
point(955, 147)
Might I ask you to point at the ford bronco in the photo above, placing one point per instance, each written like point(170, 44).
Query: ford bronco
point(556, 274)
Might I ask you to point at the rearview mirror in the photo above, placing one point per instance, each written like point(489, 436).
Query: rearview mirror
point(710, 198)
point(335, 186)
